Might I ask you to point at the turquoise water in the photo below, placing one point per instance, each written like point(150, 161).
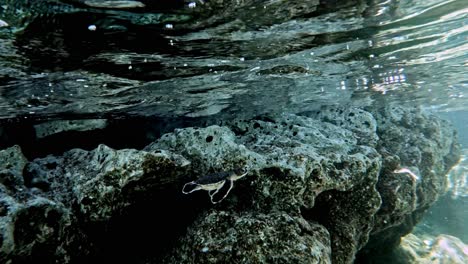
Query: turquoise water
point(185, 63)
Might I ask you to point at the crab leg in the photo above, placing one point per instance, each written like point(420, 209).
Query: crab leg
point(216, 191)
point(230, 187)
point(194, 189)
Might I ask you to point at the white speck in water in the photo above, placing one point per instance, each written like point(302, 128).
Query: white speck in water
point(370, 43)
point(145, 60)
point(50, 84)
point(312, 54)
point(347, 46)
point(256, 68)
point(242, 59)
point(3, 23)
point(130, 67)
point(169, 26)
point(205, 249)
point(364, 81)
point(185, 64)
point(192, 5)
point(371, 56)
point(92, 27)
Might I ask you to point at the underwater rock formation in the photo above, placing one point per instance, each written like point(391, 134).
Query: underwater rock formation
point(225, 236)
point(417, 154)
point(319, 187)
point(440, 249)
point(427, 249)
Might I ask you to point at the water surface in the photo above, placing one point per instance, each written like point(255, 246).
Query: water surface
point(229, 58)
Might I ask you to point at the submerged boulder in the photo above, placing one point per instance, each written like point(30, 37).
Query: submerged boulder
point(418, 150)
point(427, 249)
point(32, 227)
point(50, 206)
point(251, 237)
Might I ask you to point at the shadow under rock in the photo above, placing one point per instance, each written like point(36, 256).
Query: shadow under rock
point(148, 229)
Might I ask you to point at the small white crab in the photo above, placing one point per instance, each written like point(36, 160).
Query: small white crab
point(214, 183)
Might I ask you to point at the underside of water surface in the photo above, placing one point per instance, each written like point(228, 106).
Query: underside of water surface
point(320, 126)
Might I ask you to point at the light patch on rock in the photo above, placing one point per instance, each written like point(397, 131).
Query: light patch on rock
point(115, 4)
point(57, 126)
point(210, 110)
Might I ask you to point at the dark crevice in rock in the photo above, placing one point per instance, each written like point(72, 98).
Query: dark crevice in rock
point(123, 132)
point(147, 229)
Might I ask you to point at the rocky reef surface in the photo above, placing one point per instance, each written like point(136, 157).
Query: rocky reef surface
point(428, 249)
point(337, 185)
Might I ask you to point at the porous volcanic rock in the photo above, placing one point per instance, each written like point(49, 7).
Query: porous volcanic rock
point(253, 238)
point(418, 150)
point(318, 187)
point(49, 206)
point(292, 160)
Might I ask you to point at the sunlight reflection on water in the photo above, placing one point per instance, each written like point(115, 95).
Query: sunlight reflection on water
point(234, 62)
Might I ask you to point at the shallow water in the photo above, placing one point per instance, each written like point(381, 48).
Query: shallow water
point(185, 62)
point(190, 62)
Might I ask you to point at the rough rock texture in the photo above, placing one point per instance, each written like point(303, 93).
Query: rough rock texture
point(31, 226)
point(254, 238)
point(46, 212)
point(427, 249)
point(440, 249)
point(318, 188)
point(423, 145)
point(292, 159)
